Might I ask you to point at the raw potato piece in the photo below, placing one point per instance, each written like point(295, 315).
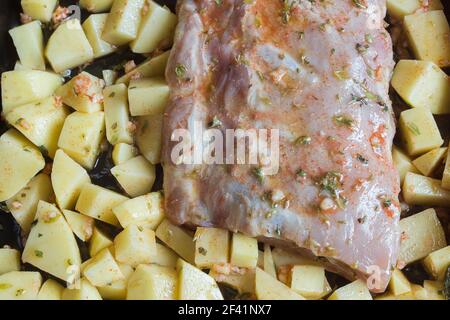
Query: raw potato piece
point(146, 210)
point(437, 262)
point(51, 245)
point(81, 136)
point(21, 161)
point(419, 131)
point(152, 282)
point(421, 234)
point(123, 152)
point(211, 247)
point(41, 122)
point(194, 284)
point(421, 190)
point(96, 5)
point(117, 290)
point(243, 283)
point(284, 258)
point(269, 288)
point(399, 284)
point(148, 96)
point(434, 289)
point(177, 239)
point(152, 67)
point(25, 86)
point(86, 292)
point(357, 290)
point(244, 251)
point(29, 43)
point(123, 21)
point(81, 225)
point(23, 205)
point(50, 290)
point(156, 29)
point(102, 269)
point(116, 115)
point(68, 47)
point(83, 93)
point(446, 174)
point(97, 202)
point(428, 36)
point(428, 162)
point(135, 245)
point(9, 260)
point(39, 9)
point(68, 177)
point(403, 163)
point(93, 28)
point(269, 264)
point(308, 281)
point(149, 137)
point(136, 176)
point(401, 8)
point(422, 84)
point(109, 76)
point(17, 285)
point(98, 241)
point(164, 256)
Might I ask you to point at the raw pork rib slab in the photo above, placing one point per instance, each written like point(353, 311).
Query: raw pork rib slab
point(319, 72)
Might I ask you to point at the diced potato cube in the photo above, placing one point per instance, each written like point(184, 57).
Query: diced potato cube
point(149, 137)
point(446, 174)
point(41, 122)
point(177, 239)
point(102, 269)
point(419, 292)
point(421, 190)
point(165, 257)
point(83, 93)
point(109, 76)
point(97, 202)
point(211, 247)
point(194, 284)
point(86, 291)
point(308, 281)
point(282, 258)
point(25, 86)
point(403, 163)
point(93, 28)
point(156, 29)
point(437, 262)
point(428, 162)
point(421, 234)
point(51, 245)
point(434, 289)
point(68, 177)
point(23, 205)
point(116, 115)
point(422, 84)
point(401, 8)
point(136, 176)
point(39, 9)
point(19, 66)
point(96, 5)
point(152, 282)
point(399, 284)
point(9, 260)
point(81, 136)
point(269, 288)
point(419, 131)
point(98, 242)
point(123, 21)
point(81, 225)
point(148, 96)
point(146, 210)
point(428, 36)
point(391, 296)
point(135, 245)
point(68, 47)
point(21, 161)
point(357, 290)
point(29, 43)
point(117, 290)
point(152, 67)
point(20, 285)
point(50, 290)
point(244, 251)
point(268, 263)
point(123, 152)
point(244, 283)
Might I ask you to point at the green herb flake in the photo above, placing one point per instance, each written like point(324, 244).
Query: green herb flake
point(218, 2)
point(303, 140)
point(341, 74)
point(215, 123)
point(4, 286)
point(359, 4)
point(38, 253)
point(342, 120)
point(413, 128)
point(301, 173)
point(112, 94)
point(286, 12)
point(202, 251)
point(180, 70)
point(259, 174)
point(362, 159)
point(20, 292)
point(387, 203)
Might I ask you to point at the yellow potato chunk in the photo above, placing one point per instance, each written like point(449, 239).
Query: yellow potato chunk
point(135, 245)
point(437, 262)
point(282, 258)
point(244, 283)
point(401, 8)
point(102, 269)
point(93, 28)
point(123, 152)
point(152, 67)
point(81, 225)
point(149, 137)
point(29, 43)
point(268, 263)
point(136, 176)
point(86, 291)
point(177, 239)
point(152, 282)
point(39, 9)
point(403, 163)
point(117, 290)
point(308, 281)
point(211, 247)
point(244, 251)
point(20, 285)
point(109, 76)
point(50, 290)
point(419, 131)
point(68, 47)
point(422, 84)
point(399, 284)
point(357, 290)
point(148, 96)
point(269, 288)
point(96, 5)
point(9, 260)
point(428, 162)
point(116, 114)
point(446, 174)
point(421, 234)
point(165, 257)
point(428, 36)
point(98, 242)
point(421, 190)
point(434, 289)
